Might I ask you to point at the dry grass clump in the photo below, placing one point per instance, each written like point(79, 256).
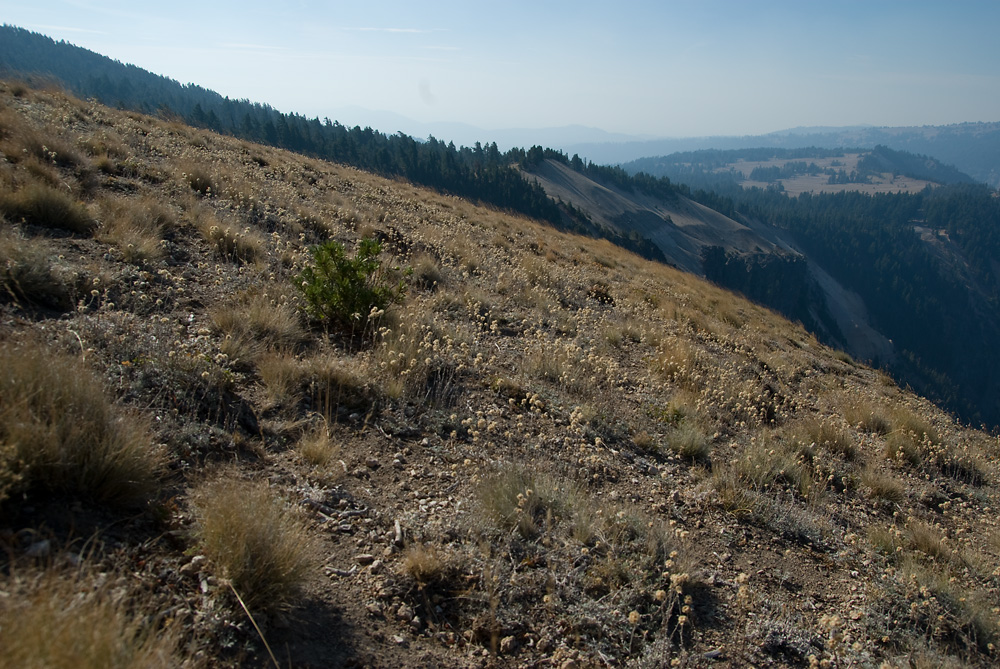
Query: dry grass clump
point(229, 241)
point(690, 442)
point(46, 207)
point(518, 500)
point(255, 540)
point(418, 360)
point(31, 274)
point(282, 375)
point(867, 415)
point(254, 323)
point(883, 487)
point(564, 363)
point(66, 620)
point(136, 228)
point(826, 434)
point(65, 436)
point(918, 443)
point(426, 272)
point(424, 564)
point(316, 447)
point(768, 484)
point(926, 603)
point(677, 360)
point(39, 145)
point(199, 179)
point(328, 384)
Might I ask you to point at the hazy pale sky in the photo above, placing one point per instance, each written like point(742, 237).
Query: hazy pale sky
point(671, 68)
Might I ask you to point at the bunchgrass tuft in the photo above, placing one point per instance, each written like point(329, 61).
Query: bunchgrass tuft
point(67, 620)
point(255, 540)
point(31, 275)
point(63, 435)
point(256, 323)
point(47, 207)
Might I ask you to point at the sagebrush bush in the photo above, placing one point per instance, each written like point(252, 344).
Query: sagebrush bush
point(65, 436)
point(255, 540)
point(66, 620)
point(346, 291)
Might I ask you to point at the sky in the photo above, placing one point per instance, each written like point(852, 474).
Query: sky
point(668, 68)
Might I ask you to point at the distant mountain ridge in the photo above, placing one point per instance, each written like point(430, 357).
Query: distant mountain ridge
point(973, 148)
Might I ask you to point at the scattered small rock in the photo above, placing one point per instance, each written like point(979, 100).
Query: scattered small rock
point(364, 558)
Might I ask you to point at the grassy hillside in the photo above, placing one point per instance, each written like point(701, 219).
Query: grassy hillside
point(548, 451)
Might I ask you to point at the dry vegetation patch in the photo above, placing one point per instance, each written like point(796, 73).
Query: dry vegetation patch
point(549, 452)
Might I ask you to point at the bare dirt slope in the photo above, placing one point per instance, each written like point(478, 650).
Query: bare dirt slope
point(680, 227)
point(550, 453)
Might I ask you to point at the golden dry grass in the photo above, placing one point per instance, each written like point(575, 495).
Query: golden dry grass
point(68, 619)
point(65, 436)
point(255, 540)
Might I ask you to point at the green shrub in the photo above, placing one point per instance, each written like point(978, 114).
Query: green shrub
point(346, 291)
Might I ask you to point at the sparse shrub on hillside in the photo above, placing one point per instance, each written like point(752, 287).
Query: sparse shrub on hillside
point(348, 292)
point(48, 208)
point(70, 619)
point(255, 540)
point(66, 436)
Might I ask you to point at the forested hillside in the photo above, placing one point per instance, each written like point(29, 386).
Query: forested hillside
point(480, 173)
point(925, 266)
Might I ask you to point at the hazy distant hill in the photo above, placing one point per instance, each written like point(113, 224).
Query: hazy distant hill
point(811, 169)
point(973, 148)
